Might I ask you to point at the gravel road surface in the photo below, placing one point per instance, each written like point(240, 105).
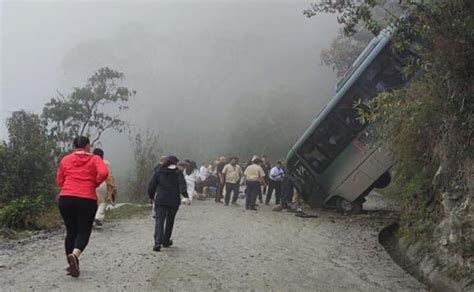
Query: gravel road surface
point(217, 248)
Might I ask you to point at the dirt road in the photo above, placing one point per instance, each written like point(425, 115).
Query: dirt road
point(217, 248)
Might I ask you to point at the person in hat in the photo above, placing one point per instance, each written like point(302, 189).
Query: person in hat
point(165, 189)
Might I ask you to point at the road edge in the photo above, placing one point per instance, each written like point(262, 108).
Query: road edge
point(417, 262)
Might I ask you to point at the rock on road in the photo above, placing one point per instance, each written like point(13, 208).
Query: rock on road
point(217, 248)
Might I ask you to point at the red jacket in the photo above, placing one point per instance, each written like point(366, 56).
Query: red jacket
point(80, 173)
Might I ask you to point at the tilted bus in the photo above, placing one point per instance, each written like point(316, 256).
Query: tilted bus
point(335, 162)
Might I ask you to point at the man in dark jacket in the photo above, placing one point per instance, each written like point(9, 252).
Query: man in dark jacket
point(166, 188)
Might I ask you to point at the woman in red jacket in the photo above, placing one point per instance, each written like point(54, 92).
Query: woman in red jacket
point(78, 176)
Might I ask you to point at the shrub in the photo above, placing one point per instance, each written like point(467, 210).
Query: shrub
point(21, 213)
point(27, 170)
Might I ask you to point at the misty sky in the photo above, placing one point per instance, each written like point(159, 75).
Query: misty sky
point(193, 63)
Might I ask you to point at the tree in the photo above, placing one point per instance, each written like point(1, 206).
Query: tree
point(27, 166)
point(146, 153)
point(350, 42)
point(90, 110)
point(344, 50)
point(352, 13)
point(27, 184)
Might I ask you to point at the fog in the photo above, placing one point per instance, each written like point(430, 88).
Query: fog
point(206, 72)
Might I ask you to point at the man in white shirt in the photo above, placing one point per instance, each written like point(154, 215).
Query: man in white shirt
point(275, 183)
point(203, 173)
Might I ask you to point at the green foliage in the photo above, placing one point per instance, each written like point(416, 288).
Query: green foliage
point(146, 153)
point(26, 171)
point(89, 110)
point(409, 126)
point(21, 212)
point(26, 162)
point(5, 186)
point(351, 13)
point(430, 123)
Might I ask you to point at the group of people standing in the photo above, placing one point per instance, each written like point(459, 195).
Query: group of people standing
point(225, 180)
point(258, 177)
point(172, 180)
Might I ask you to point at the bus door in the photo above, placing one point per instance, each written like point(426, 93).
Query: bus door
point(357, 181)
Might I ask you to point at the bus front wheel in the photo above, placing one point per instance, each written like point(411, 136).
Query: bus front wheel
point(344, 206)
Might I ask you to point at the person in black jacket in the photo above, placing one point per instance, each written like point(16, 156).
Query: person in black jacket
point(165, 189)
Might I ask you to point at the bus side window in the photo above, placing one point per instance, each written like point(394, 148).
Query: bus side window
point(347, 113)
point(390, 77)
point(311, 154)
point(331, 137)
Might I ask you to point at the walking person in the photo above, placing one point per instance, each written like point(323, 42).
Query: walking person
point(165, 189)
point(220, 179)
point(162, 159)
point(78, 176)
point(232, 175)
point(106, 192)
point(275, 183)
point(255, 178)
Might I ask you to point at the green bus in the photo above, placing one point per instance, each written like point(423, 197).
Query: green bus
point(335, 163)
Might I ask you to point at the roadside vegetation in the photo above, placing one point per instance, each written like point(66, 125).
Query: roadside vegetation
point(428, 125)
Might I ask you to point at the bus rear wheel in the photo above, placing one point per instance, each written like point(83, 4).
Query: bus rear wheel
point(344, 206)
point(383, 181)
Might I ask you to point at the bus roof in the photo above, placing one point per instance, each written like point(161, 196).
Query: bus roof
point(355, 71)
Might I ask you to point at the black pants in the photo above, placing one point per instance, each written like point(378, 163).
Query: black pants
point(288, 190)
point(229, 188)
point(164, 215)
point(78, 215)
point(260, 196)
point(253, 190)
point(220, 189)
point(274, 185)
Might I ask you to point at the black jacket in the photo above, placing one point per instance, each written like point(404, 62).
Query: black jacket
point(167, 184)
